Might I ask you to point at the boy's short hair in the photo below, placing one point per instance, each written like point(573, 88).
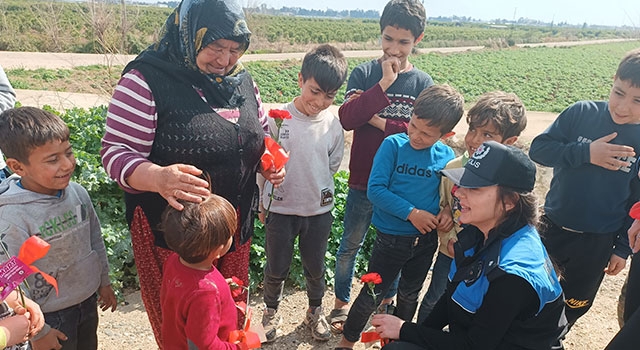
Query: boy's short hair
point(629, 68)
point(327, 65)
point(503, 110)
point(24, 128)
point(405, 14)
point(442, 105)
point(199, 228)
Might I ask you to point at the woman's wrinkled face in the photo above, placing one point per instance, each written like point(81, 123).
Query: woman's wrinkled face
point(219, 57)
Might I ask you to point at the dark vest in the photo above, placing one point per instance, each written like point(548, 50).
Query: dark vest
point(190, 132)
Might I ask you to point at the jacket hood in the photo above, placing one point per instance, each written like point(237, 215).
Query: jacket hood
point(11, 193)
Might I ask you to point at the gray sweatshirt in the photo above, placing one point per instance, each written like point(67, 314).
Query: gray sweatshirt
point(316, 146)
point(77, 258)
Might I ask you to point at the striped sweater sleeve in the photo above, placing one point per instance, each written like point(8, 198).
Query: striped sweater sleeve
point(262, 116)
point(130, 129)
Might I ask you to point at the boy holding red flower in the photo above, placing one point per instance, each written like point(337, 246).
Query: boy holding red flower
point(301, 205)
point(40, 200)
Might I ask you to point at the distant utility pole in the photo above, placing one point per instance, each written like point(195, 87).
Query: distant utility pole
point(514, 13)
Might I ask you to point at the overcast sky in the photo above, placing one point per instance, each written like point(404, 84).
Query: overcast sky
point(604, 12)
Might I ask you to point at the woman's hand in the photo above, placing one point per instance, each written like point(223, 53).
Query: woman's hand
point(274, 176)
point(173, 182)
point(388, 326)
point(16, 328)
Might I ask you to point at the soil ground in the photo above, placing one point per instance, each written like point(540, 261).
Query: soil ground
point(128, 327)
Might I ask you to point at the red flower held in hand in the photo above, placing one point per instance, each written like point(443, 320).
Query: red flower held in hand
point(635, 211)
point(274, 155)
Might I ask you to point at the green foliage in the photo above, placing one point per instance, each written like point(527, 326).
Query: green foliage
point(296, 273)
point(546, 79)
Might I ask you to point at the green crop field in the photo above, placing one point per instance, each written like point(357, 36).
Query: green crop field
point(104, 26)
point(546, 79)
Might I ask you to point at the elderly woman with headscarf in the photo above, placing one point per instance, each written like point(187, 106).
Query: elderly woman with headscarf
point(184, 110)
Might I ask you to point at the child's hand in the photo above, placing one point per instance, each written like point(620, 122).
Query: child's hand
point(423, 220)
point(450, 244)
point(616, 264)
point(35, 316)
point(605, 154)
point(390, 70)
point(378, 122)
point(354, 95)
point(50, 341)
point(107, 298)
point(16, 328)
point(273, 175)
point(634, 236)
point(445, 219)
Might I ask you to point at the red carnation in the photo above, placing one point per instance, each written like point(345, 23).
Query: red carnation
point(371, 277)
point(635, 211)
point(279, 114)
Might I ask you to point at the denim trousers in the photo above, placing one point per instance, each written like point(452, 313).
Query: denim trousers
point(357, 219)
point(79, 323)
point(437, 286)
point(408, 255)
point(280, 235)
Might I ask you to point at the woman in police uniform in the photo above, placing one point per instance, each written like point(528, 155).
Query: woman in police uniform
point(503, 292)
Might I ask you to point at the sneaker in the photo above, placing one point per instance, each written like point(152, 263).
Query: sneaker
point(270, 322)
point(319, 326)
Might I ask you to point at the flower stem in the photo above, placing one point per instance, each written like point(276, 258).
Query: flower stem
point(266, 213)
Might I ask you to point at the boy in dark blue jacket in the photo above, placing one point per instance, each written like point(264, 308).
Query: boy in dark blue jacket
point(592, 148)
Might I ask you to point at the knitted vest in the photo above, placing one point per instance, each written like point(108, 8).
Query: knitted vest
point(190, 132)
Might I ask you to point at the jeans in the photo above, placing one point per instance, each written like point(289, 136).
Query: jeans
point(313, 236)
point(408, 255)
point(357, 218)
point(437, 287)
point(79, 323)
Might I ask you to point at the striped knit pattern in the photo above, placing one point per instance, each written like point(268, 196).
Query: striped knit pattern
point(131, 126)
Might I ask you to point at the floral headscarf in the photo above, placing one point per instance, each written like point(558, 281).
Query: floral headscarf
point(192, 26)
